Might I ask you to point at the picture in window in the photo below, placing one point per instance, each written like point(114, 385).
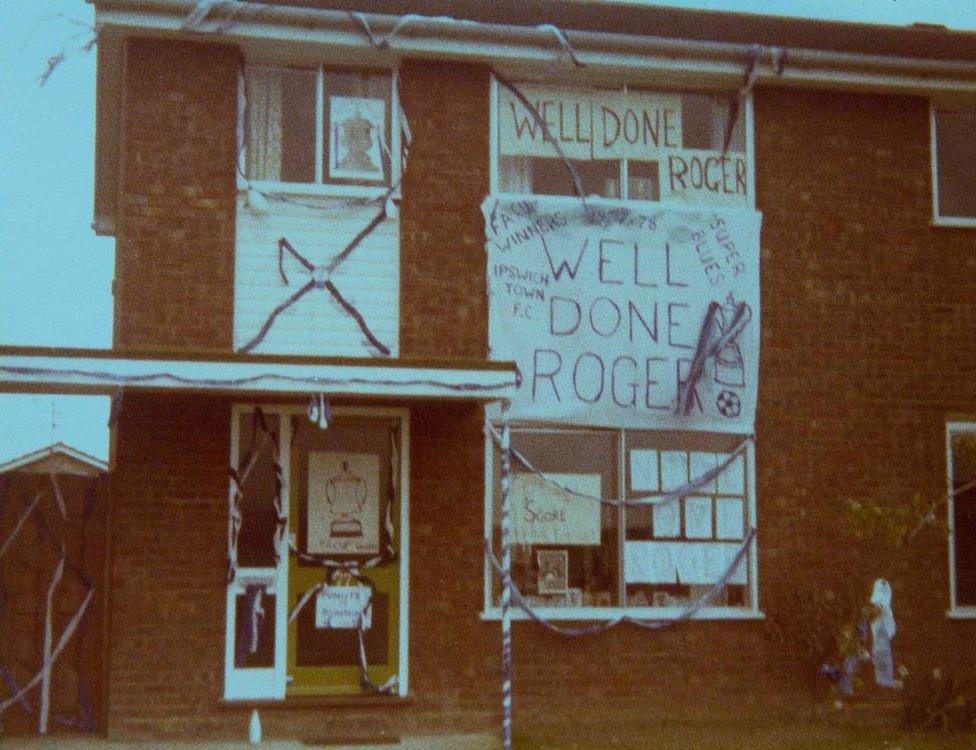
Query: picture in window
point(319, 126)
point(357, 136)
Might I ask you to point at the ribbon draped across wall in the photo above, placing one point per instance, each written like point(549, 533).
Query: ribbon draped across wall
point(626, 317)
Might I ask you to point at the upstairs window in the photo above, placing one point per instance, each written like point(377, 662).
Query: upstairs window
point(954, 165)
point(623, 143)
point(319, 126)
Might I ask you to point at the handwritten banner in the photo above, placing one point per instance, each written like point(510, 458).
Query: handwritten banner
point(602, 310)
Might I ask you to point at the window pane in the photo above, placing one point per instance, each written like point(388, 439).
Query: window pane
point(705, 119)
point(254, 614)
point(680, 549)
point(551, 177)
point(280, 124)
point(567, 548)
point(642, 180)
point(357, 131)
point(964, 516)
point(255, 540)
point(956, 157)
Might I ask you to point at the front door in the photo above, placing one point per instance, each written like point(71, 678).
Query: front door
point(346, 490)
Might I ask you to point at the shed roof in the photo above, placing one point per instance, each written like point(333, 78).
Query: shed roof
point(57, 458)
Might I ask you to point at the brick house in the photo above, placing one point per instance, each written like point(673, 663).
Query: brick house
point(296, 193)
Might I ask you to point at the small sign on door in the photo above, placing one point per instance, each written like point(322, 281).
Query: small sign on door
point(340, 607)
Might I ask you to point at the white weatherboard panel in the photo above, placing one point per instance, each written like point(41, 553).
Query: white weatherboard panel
point(369, 278)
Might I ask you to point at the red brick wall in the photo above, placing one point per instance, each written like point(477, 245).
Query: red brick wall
point(866, 340)
point(866, 344)
point(443, 303)
point(174, 270)
point(168, 565)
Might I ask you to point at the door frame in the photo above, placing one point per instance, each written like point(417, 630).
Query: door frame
point(272, 683)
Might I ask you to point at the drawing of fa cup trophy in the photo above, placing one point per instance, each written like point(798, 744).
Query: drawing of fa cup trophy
point(346, 495)
point(357, 139)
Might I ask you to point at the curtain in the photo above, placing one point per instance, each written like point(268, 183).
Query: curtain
point(264, 97)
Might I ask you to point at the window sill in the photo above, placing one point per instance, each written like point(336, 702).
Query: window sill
point(311, 190)
point(962, 613)
point(321, 701)
point(637, 613)
point(954, 222)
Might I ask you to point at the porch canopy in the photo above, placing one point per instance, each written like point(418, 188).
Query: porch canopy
point(105, 371)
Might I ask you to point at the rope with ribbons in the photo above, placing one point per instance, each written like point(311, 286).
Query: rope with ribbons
point(711, 345)
point(322, 382)
point(659, 499)
point(319, 278)
point(573, 632)
point(383, 41)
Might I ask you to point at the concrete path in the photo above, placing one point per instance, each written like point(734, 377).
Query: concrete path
point(438, 742)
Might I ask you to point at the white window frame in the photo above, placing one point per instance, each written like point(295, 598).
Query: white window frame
point(748, 122)
point(492, 612)
point(937, 218)
point(271, 683)
point(955, 611)
point(320, 188)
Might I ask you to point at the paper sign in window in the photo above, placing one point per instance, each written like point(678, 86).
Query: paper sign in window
point(343, 503)
point(704, 177)
point(635, 124)
point(698, 517)
point(732, 480)
point(700, 464)
point(341, 607)
point(356, 133)
point(689, 563)
point(545, 513)
point(567, 115)
point(729, 518)
point(674, 469)
point(667, 519)
point(643, 471)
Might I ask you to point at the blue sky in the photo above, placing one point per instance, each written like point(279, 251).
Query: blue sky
point(55, 274)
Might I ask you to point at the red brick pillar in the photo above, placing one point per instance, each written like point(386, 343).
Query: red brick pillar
point(443, 296)
point(174, 272)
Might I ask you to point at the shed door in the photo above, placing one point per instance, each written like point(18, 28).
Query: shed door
point(345, 507)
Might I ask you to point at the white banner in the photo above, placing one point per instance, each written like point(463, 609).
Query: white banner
point(603, 310)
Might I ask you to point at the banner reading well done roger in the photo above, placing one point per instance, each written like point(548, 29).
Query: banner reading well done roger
point(602, 310)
